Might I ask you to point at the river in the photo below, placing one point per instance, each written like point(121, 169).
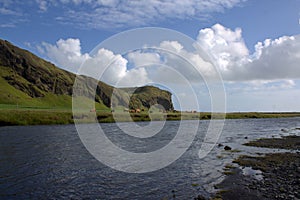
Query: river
point(51, 162)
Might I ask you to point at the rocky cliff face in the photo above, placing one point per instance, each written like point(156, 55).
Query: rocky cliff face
point(36, 77)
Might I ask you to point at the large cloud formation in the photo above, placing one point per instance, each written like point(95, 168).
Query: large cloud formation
point(272, 60)
point(67, 54)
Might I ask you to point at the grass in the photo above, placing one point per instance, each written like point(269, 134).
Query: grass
point(34, 117)
point(13, 98)
point(254, 115)
point(60, 112)
point(229, 166)
point(228, 172)
point(287, 142)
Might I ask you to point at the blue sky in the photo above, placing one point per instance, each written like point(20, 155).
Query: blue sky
point(38, 25)
point(25, 22)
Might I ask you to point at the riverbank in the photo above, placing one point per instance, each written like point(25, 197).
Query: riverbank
point(27, 116)
point(274, 176)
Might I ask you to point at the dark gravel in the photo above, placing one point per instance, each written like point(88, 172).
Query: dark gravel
point(281, 174)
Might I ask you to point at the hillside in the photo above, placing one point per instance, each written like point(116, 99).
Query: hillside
point(27, 80)
point(140, 97)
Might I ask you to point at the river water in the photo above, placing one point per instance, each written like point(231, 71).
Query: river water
point(50, 162)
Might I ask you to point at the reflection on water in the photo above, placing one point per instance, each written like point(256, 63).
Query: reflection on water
point(51, 162)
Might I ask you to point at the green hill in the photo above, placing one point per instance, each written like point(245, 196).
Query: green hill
point(140, 97)
point(27, 81)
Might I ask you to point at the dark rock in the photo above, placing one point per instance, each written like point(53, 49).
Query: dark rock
point(227, 148)
point(199, 197)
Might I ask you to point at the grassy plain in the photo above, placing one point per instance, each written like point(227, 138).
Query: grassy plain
point(28, 115)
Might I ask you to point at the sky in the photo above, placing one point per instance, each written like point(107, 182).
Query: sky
point(253, 44)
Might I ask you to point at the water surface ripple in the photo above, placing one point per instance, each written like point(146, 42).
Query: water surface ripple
point(50, 162)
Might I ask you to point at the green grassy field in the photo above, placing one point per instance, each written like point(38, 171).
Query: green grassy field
point(27, 115)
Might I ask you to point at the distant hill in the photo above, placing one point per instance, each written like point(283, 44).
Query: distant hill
point(27, 80)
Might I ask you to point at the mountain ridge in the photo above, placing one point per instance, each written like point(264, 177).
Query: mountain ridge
point(24, 75)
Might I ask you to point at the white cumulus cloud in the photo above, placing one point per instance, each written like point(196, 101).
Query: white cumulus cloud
point(224, 45)
point(275, 59)
point(272, 60)
point(139, 58)
point(189, 64)
point(104, 65)
point(65, 53)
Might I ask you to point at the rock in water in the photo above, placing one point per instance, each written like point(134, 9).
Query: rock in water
point(227, 148)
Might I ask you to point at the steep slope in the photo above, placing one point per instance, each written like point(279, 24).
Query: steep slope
point(140, 97)
point(28, 80)
point(33, 78)
point(39, 76)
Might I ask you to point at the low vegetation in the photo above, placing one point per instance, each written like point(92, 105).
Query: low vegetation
point(288, 142)
point(16, 114)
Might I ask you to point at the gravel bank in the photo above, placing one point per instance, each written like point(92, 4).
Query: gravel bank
point(280, 173)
